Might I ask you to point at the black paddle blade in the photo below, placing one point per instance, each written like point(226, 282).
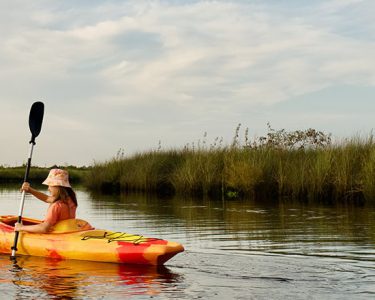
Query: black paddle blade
point(36, 119)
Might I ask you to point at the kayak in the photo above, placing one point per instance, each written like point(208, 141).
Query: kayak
point(77, 239)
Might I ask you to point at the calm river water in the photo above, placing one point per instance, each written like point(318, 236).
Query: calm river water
point(234, 250)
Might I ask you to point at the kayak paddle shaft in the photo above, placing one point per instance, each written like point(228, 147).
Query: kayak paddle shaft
point(35, 125)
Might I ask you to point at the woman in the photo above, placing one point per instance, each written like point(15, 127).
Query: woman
point(62, 201)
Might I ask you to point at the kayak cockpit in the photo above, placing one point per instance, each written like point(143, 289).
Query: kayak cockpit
point(65, 226)
point(12, 220)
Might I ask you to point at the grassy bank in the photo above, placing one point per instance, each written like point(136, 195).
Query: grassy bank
point(298, 165)
point(38, 174)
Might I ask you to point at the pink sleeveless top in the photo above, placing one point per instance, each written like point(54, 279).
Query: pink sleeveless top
point(59, 211)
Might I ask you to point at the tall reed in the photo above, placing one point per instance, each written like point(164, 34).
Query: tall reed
point(298, 165)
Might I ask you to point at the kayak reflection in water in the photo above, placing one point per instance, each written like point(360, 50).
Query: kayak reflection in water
point(62, 201)
point(32, 277)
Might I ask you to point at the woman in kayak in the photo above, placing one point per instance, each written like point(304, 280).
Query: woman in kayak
point(62, 201)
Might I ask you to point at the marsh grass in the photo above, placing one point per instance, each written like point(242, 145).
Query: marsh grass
point(38, 174)
point(302, 165)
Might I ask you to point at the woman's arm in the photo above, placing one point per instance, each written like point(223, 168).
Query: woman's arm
point(41, 196)
point(38, 228)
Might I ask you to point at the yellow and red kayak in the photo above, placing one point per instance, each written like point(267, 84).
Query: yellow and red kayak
point(76, 239)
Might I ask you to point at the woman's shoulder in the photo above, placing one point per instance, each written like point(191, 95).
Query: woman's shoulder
point(70, 202)
point(56, 203)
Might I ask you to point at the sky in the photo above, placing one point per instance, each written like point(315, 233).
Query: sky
point(139, 75)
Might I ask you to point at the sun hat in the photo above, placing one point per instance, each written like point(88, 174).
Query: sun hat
point(57, 177)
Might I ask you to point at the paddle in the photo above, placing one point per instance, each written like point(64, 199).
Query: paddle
point(35, 125)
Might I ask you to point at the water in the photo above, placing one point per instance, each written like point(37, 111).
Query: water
point(234, 250)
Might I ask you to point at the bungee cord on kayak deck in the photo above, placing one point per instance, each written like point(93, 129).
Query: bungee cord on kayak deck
point(120, 237)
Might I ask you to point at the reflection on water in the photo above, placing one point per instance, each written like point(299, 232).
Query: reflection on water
point(245, 226)
point(39, 277)
point(269, 249)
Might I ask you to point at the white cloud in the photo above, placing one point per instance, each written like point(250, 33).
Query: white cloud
point(240, 49)
point(174, 61)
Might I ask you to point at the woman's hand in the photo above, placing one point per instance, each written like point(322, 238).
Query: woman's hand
point(18, 227)
point(26, 187)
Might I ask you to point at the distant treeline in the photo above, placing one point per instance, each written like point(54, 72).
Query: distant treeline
point(38, 174)
point(303, 165)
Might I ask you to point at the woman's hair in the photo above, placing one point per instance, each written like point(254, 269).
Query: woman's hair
point(66, 192)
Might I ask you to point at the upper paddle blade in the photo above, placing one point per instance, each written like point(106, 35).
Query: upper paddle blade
point(36, 119)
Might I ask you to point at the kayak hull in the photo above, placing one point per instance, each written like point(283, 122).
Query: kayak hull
point(89, 244)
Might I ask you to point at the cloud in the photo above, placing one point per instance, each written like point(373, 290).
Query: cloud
point(232, 53)
point(106, 65)
point(170, 52)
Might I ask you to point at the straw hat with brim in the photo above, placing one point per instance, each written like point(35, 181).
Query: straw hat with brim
point(57, 177)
